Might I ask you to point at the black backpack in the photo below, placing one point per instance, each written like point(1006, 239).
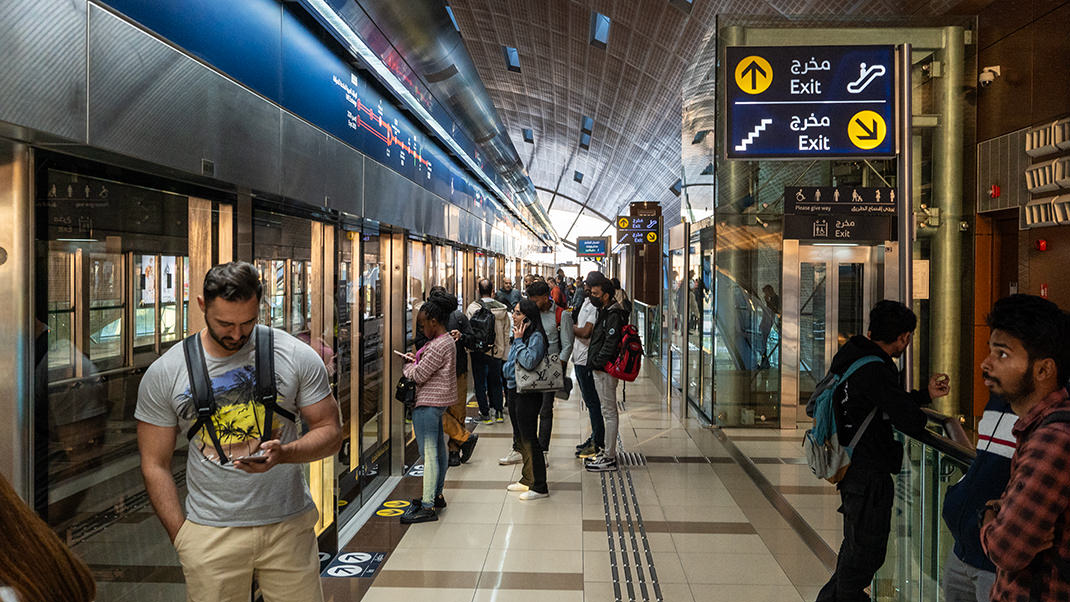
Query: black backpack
point(483, 323)
point(200, 386)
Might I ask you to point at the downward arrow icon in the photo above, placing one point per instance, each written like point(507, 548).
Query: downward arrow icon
point(871, 132)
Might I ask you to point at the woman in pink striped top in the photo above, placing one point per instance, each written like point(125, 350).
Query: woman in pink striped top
point(434, 370)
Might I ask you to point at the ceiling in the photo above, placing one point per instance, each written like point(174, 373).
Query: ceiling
point(631, 88)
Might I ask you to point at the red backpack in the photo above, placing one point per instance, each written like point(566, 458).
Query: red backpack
point(629, 355)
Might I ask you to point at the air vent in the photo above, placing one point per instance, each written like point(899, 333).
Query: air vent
point(599, 30)
point(1061, 172)
point(512, 59)
point(577, 176)
point(1039, 213)
point(529, 136)
point(1061, 206)
point(1041, 178)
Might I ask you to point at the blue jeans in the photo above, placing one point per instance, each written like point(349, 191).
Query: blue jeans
point(487, 372)
point(427, 422)
point(585, 381)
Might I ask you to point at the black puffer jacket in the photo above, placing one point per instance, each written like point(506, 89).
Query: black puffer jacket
point(875, 384)
point(605, 338)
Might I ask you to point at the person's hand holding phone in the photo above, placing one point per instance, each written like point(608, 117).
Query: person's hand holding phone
point(456, 334)
point(408, 357)
point(520, 329)
point(265, 459)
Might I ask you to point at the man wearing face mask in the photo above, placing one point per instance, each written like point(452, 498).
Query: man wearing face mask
point(874, 400)
point(1026, 532)
point(604, 346)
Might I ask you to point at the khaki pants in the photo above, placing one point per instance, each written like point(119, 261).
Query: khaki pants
point(219, 562)
point(453, 418)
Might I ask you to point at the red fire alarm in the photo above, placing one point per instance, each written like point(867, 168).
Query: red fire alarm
point(993, 191)
point(1044, 290)
point(1041, 244)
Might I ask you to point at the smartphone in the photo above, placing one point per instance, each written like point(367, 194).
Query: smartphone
point(400, 353)
point(257, 459)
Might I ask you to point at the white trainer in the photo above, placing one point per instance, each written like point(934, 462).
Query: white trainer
point(517, 487)
point(514, 457)
point(533, 495)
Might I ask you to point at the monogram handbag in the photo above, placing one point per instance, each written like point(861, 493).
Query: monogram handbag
point(547, 377)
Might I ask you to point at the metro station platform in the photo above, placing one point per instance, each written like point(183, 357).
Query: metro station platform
point(694, 514)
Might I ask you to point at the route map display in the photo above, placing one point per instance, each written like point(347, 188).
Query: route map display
point(792, 102)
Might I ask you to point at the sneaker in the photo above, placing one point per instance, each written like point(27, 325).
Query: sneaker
point(419, 515)
point(514, 457)
point(601, 463)
point(455, 458)
point(498, 417)
point(516, 487)
point(440, 502)
point(484, 418)
point(584, 444)
point(533, 495)
point(589, 451)
point(468, 447)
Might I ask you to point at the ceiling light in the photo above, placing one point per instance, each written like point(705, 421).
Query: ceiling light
point(512, 59)
point(599, 29)
point(577, 176)
point(676, 187)
point(529, 136)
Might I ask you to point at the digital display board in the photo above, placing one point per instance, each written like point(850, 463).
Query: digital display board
point(790, 102)
point(638, 229)
point(592, 246)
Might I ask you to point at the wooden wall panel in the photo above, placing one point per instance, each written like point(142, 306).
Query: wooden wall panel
point(200, 256)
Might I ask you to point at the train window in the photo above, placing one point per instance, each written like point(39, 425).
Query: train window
point(60, 314)
point(299, 310)
point(170, 327)
point(146, 287)
point(106, 309)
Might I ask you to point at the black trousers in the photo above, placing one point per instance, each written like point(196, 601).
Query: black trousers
point(866, 498)
point(526, 407)
point(545, 419)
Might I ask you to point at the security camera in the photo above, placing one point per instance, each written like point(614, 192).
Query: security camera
point(988, 75)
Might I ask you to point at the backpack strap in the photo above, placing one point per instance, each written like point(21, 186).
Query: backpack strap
point(267, 393)
point(200, 388)
point(854, 367)
point(862, 429)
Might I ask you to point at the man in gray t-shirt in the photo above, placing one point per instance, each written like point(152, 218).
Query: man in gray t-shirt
point(252, 513)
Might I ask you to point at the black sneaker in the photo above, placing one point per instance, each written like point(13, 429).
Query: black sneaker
point(468, 447)
point(584, 444)
point(440, 502)
point(419, 515)
point(484, 418)
point(455, 458)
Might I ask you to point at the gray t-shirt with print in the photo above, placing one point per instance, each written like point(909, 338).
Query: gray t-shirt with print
point(221, 495)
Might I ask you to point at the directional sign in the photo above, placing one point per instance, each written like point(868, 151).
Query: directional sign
point(792, 102)
point(839, 228)
point(638, 229)
point(355, 564)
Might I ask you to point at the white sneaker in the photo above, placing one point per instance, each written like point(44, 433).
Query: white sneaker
point(533, 495)
point(517, 487)
point(514, 457)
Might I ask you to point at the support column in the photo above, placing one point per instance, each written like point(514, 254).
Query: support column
point(948, 244)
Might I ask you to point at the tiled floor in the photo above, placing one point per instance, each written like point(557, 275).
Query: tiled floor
point(691, 524)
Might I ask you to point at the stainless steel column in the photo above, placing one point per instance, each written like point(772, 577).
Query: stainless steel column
point(948, 243)
point(16, 316)
point(905, 208)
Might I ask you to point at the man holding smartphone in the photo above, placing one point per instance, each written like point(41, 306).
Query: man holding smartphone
point(248, 510)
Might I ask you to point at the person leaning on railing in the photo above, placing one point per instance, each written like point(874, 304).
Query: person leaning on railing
point(35, 566)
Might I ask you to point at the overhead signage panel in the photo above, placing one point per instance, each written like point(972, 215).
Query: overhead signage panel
point(794, 102)
point(592, 246)
point(638, 229)
point(839, 214)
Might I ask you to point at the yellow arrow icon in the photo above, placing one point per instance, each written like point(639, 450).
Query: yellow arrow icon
point(866, 130)
point(622, 222)
point(390, 512)
point(754, 74)
point(652, 237)
point(396, 504)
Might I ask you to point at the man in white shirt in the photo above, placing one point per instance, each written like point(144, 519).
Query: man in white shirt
point(583, 328)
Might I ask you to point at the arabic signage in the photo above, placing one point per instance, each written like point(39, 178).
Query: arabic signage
point(638, 229)
point(839, 213)
point(592, 246)
point(793, 102)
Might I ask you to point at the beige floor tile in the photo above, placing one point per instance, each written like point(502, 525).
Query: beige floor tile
point(534, 561)
point(596, 566)
point(724, 514)
point(541, 512)
point(702, 499)
point(415, 594)
point(524, 595)
point(595, 541)
point(718, 543)
point(803, 569)
point(598, 591)
point(436, 559)
point(442, 534)
point(668, 567)
point(536, 537)
point(475, 496)
point(471, 512)
point(675, 591)
point(729, 568)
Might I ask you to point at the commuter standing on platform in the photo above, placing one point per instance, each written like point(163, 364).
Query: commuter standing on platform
point(249, 510)
point(604, 347)
point(968, 573)
point(433, 368)
point(508, 295)
point(583, 329)
point(528, 349)
point(1026, 532)
point(873, 396)
point(487, 354)
point(550, 314)
point(462, 442)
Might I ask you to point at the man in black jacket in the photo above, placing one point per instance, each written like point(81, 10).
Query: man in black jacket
point(867, 490)
point(604, 346)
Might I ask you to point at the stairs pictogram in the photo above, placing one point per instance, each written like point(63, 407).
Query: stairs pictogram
point(758, 129)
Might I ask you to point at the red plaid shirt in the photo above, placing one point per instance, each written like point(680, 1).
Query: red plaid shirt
point(1032, 528)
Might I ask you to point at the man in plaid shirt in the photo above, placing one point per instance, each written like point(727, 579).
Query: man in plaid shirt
point(1026, 533)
